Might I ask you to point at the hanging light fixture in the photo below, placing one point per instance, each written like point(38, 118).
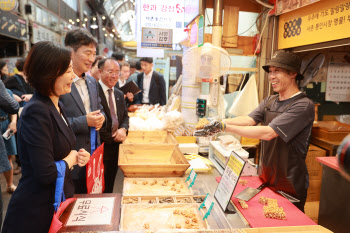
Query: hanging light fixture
point(94, 18)
point(86, 19)
point(78, 20)
point(112, 16)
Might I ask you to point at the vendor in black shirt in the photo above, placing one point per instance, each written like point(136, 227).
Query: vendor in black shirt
point(287, 120)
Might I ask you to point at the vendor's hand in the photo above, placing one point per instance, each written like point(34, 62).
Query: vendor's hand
point(95, 119)
point(216, 125)
point(83, 157)
point(13, 126)
point(119, 135)
point(26, 97)
point(130, 96)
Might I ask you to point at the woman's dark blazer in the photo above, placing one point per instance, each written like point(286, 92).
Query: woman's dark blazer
point(43, 139)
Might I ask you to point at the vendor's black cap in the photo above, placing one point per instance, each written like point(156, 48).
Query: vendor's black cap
point(285, 60)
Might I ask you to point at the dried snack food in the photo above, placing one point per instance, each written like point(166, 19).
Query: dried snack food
point(146, 226)
point(201, 123)
point(271, 208)
point(166, 200)
point(130, 201)
point(145, 182)
point(243, 182)
point(198, 199)
point(243, 204)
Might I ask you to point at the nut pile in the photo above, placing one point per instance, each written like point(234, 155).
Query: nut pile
point(243, 204)
point(271, 208)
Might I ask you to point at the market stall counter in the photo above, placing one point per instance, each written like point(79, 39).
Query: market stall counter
point(255, 213)
point(92, 212)
point(334, 212)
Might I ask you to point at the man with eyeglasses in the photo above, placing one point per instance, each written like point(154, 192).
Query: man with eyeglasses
point(117, 126)
point(82, 106)
point(287, 120)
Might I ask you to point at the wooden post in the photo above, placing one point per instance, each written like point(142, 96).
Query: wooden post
point(230, 31)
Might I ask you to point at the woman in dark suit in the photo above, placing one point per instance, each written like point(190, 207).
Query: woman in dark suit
point(44, 137)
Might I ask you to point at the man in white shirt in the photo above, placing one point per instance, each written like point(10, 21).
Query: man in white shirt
point(117, 125)
point(82, 106)
point(151, 83)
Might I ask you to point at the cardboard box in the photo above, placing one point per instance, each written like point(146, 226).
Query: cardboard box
point(311, 210)
point(314, 168)
point(314, 190)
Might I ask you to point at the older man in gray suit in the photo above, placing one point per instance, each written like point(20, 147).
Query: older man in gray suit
point(83, 105)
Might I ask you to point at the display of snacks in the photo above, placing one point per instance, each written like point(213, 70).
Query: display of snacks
point(243, 204)
point(243, 182)
point(271, 208)
point(184, 130)
point(198, 199)
point(201, 123)
point(156, 186)
point(161, 217)
point(161, 199)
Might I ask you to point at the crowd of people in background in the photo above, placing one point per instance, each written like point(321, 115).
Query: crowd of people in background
point(57, 95)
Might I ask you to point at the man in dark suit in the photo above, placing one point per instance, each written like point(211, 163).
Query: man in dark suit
point(151, 83)
point(83, 105)
point(117, 126)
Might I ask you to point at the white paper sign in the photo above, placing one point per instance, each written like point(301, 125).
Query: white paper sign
point(92, 211)
point(229, 180)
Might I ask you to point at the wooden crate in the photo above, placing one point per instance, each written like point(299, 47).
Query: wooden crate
point(330, 130)
point(296, 229)
point(150, 137)
point(314, 190)
point(152, 160)
point(158, 217)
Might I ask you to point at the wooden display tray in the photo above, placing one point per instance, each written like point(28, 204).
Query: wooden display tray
point(291, 229)
point(157, 199)
point(330, 130)
point(159, 217)
point(149, 189)
point(150, 137)
point(149, 160)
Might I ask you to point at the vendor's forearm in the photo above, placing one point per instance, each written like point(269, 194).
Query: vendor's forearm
point(258, 132)
point(241, 121)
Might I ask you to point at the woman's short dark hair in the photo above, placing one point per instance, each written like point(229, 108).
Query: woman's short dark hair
point(147, 59)
point(79, 37)
point(46, 62)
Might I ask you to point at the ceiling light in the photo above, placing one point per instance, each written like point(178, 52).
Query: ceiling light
point(112, 16)
point(111, 35)
point(103, 17)
point(113, 30)
point(94, 26)
point(78, 20)
point(94, 18)
point(84, 25)
point(70, 20)
point(103, 29)
point(106, 35)
point(86, 19)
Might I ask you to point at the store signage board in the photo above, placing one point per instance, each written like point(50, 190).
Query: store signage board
point(43, 34)
point(157, 38)
point(286, 6)
point(8, 5)
point(92, 211)
point(319, 22)
point(338, 77)
point(13, 26)
point(229, 180)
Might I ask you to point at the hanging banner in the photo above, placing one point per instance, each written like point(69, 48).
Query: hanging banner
point(320, 22)
point(284, 6)
point(13, 26)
